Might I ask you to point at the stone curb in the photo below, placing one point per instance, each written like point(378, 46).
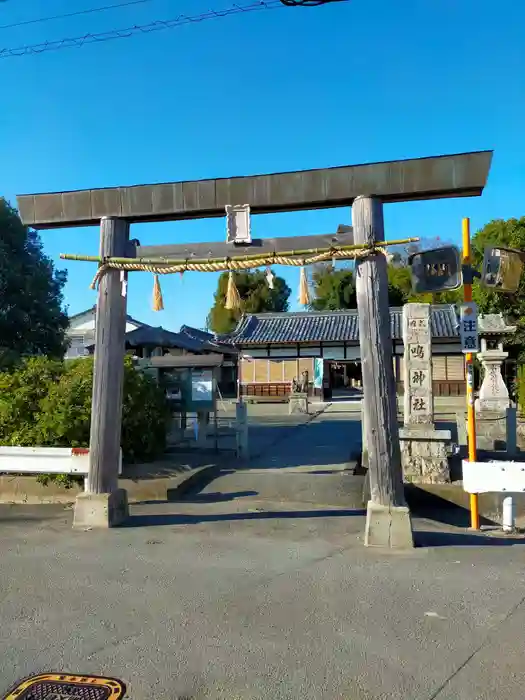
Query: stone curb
point(26, 489)
point(195, 481)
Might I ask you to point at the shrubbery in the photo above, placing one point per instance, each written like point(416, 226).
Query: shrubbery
point(520, 389)
point(48, 403)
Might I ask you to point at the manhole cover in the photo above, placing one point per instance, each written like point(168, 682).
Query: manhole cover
point(60, 686)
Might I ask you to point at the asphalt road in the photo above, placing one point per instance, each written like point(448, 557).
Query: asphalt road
point(251, 589)
point(248, 599)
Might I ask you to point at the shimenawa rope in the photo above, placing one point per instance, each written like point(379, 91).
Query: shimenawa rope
point(228, 265)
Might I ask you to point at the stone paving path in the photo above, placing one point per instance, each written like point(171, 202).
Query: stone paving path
point(311, 462)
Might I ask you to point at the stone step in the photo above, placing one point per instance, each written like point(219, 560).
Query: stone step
point(322, 488)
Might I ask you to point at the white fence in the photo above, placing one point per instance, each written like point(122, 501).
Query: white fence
point(46, 460)
point(496, 477)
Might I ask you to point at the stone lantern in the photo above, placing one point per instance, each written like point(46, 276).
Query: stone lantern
point(493, 394)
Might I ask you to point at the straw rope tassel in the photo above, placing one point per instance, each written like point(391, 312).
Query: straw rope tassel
point(233, 299)
point(158, 302)
point(304, 293)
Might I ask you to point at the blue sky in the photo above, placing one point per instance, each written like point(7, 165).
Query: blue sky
point(355, 82)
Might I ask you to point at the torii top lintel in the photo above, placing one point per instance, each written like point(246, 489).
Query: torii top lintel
point(458, 175)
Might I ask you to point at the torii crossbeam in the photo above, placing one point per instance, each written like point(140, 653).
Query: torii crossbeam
point(459, 175)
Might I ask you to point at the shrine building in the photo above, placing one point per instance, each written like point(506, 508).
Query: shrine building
point(275, 348)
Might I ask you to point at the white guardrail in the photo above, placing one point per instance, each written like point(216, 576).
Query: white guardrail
point(496, 477)
point(46, 460)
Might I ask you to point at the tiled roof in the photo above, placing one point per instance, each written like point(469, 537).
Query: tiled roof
point(209, 341)
point(160, 337)
point(329, 326)
point(197, 333)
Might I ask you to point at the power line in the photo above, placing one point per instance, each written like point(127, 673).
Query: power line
point(38, 20)
point(73, 14)
point(79, 41)
point(308, 3)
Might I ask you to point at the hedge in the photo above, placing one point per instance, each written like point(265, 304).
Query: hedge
point(519, 389)
point(48, 403)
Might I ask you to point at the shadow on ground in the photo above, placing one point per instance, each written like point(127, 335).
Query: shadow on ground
point(218, 497)
point(325, 442)
point(151, 520)
point(432, 506)
point(424, 538)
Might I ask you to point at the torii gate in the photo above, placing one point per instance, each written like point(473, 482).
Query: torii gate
point(364, 187)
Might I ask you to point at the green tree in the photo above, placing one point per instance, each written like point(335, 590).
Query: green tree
point(21, 392)
point(334, 288)
point(32, 321)
point(256, 297)
point(508, 233)
point(48, 403)
point(399, 284)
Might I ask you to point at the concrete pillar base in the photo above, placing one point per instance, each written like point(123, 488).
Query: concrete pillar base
point(388, 527)
point(100, 510)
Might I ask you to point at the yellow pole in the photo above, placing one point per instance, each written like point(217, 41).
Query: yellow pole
point(469, 371)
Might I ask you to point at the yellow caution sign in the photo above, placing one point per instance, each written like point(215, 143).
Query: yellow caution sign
point(65, 686)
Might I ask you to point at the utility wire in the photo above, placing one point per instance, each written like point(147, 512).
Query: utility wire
point(79, 41)
point(38, 20)
point(308, 3)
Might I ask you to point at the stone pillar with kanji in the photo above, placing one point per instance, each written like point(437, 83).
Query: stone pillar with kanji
point(424, 450)
point(417, 338)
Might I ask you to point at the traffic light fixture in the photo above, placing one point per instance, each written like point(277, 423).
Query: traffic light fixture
point(436, 270)
point(502, 268)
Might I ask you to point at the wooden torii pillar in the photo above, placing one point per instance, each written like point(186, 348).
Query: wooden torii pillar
point(114, 209)
point(388, 518)
point(104, 504)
